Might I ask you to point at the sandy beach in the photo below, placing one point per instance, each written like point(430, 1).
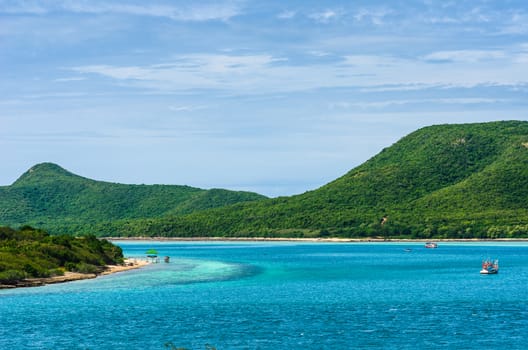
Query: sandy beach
point(129, 264)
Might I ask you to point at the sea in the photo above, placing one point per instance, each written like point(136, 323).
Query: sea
point(283, 295)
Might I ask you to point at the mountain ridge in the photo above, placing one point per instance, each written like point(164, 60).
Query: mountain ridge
point(445, 181)
point(47, 195)
point(40, 172)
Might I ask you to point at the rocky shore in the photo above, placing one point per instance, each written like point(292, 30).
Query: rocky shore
point(129, 264)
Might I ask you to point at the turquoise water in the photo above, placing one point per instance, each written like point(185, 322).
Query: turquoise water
point(283, 296)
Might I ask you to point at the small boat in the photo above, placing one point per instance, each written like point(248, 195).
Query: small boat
point(431, 245)
point(490, 267)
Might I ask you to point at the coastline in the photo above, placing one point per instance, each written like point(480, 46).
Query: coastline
point(129, 264)
point(323, 240)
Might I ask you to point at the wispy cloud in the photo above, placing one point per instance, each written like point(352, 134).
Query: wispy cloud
point(516, 24)
point(186, 108)
point(190, 72)
point(373, 60)
point(319, 53)
point(402, 102)
point(468, 56)
point(325, 16)
point(24, 7)
point(374, 16)
point(69, 79)
point(261, 74)
point(202, 11)
point(196, 64)
point(287, 14)
point(444, 12)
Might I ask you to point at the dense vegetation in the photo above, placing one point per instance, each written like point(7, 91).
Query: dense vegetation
point(445, 181)
point(49, 197)
point(32, 253)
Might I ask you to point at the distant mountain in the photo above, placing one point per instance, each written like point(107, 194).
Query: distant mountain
point(51, 197)
point(457, 181)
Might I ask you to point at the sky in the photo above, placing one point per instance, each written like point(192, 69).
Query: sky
point(275, 97)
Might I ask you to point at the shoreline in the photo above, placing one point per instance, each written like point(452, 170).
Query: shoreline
point(323, 240)
point(129, 264)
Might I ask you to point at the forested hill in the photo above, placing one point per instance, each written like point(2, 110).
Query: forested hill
point(445, 181)
point(32, 253)
point(50, 197)
point(457, 181)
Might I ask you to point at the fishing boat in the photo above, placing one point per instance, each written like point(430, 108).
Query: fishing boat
point(431, 245)
point(490, 267)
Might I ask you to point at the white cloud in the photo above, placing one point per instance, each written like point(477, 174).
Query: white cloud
point(517, 24)
point(374, 16)
point(190, 72)
point(116, 72)
point(319, 53)
point(401, 102)
point(401, 87)
point(287, 15)
point(371, 60)
point(202, 11)
point(468, 56)
point(196, 65)
point(261, 74)
point(225, 63)
point(64, 80)
point(453, 13)
point(522, 58)
point(441, 20)
point(324, 16)
point(26, 7)
point(186, 108)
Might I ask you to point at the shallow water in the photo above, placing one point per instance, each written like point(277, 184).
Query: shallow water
point(247, 295)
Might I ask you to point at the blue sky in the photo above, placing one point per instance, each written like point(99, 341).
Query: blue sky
point(276, 97)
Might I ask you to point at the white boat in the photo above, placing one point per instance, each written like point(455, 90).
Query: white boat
point(490, 267)
point(431, 245)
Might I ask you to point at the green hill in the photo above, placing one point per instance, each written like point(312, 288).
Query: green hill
point(52, 198)
point(445, 181)
point(457, 181)
point(31, 253)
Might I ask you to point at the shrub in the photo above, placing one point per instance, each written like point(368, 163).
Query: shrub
point(81, 267)
point(33, 270)
point(56, 272)
point(11, 276)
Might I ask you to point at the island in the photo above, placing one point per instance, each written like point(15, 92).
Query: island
point(32, 257)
